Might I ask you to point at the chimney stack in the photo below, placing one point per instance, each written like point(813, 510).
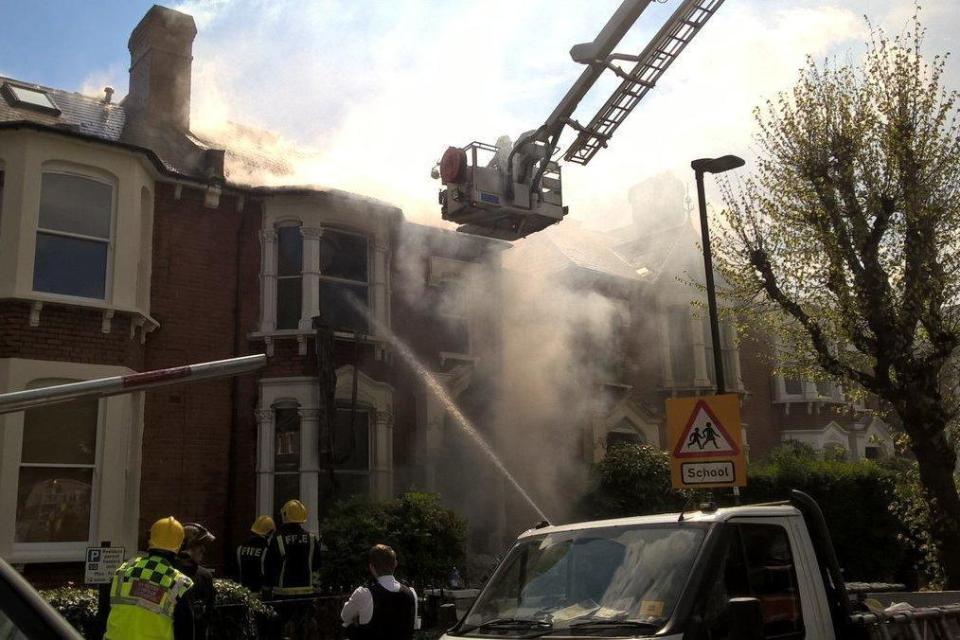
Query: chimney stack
point(161, 54)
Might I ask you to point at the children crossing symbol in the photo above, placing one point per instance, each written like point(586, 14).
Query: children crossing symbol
point(704, 435)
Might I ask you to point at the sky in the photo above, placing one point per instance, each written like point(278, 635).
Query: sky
point(377, 89)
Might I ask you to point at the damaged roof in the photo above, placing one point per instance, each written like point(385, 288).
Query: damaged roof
point(188, 154)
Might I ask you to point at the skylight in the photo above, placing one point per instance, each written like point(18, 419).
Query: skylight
point(30, 98)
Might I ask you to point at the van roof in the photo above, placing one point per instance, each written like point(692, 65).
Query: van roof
point(720, 515)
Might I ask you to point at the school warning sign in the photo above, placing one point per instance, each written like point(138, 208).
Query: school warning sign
point(706, 442)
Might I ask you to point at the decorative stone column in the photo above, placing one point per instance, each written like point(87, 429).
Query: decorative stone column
point(268, 280)
point(734, 381)
point(310, 281)
point(310, 465)
point(433, 424)
point(666, 363)
point(701, 377)
point(381, 306)
point(265, 456)
point(383, 455)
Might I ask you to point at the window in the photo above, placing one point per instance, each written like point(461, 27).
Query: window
point(617, 438)
point(681, 353)
point(57, 464)
point(825, 389)
point(343, 280)
point(452, 332)
point(727, 351)
point(289, 276)
point(793, 386)
point(73, 236)
point(351, 458)
point(758, 563)
point(286, 452)
point(30, 98)
point(873, 453)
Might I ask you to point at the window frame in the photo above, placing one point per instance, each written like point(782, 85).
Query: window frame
point(62, 549)
point(804, 595)
point(276, 269)
point(366, 284)
point(95, 176)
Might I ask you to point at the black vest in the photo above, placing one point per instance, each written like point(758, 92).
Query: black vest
point(393, 615)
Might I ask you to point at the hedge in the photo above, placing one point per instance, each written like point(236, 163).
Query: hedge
point(236, 617)
point(429, 540)
point(856, 499)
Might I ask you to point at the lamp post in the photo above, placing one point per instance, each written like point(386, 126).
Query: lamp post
point(701, 166)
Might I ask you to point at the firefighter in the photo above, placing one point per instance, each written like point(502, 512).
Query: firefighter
point(384, 609)
point(252, 553)
point(202, 597)
point(148, 594)
point(293, 555)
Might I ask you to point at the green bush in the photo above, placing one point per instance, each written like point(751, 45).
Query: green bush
point(77, 604)
point(429, 540)
point(238, 614)
point(633, 479)
point(236, 617)
point(856, 498)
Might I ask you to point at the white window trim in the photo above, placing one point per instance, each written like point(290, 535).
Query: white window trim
point(96, 176)
point(119, 432)
point(311, 277)
point(374, 396)
point(69, 549)
point(703, 379)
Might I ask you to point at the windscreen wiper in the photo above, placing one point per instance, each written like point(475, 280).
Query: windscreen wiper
point(512, 624)
point(600, 622)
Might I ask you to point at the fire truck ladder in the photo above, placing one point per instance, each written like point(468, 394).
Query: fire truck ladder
point(655, 59)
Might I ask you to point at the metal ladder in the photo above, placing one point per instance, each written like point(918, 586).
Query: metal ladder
point(655, 59)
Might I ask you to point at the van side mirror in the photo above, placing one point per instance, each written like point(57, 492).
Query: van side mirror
point(746, 618)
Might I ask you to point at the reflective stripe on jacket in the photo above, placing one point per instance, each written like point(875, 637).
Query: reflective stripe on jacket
point(143, 596)
point(293, 558)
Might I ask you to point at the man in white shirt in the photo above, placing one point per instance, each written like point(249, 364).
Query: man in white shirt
point(384, 609)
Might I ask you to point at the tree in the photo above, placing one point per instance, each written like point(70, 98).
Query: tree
point(845, 240)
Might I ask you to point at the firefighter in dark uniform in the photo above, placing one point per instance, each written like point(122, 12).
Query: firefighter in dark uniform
point(384, 609)
point(252, 553)
point(293, 556)
point(203, 596)
point(148, 595)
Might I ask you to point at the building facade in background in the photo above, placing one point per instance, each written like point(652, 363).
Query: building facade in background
point(128, 243)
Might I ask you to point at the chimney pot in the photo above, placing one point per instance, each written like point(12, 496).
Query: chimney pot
point(107, 95)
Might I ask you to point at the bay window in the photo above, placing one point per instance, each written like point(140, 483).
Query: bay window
point(73, 235)
point(688, 352)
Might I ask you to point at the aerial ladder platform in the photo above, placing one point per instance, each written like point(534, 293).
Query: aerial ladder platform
point(511, 190)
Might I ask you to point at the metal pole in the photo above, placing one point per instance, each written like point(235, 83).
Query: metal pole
point(711, 287)
point(116, 385)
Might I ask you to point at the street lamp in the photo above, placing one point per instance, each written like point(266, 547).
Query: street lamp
point(701, 166)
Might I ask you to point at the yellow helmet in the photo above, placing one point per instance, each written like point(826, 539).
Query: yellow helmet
point(263, 525)
point(294, 511)
point(166, 534)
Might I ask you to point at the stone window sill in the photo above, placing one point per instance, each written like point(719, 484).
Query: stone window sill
point(139, 319)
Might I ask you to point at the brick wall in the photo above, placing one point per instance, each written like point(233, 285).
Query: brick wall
point(71, 334)
point(187, 444)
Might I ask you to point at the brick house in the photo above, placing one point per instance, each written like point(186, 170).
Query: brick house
point(659, 343)
point(127, 243)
